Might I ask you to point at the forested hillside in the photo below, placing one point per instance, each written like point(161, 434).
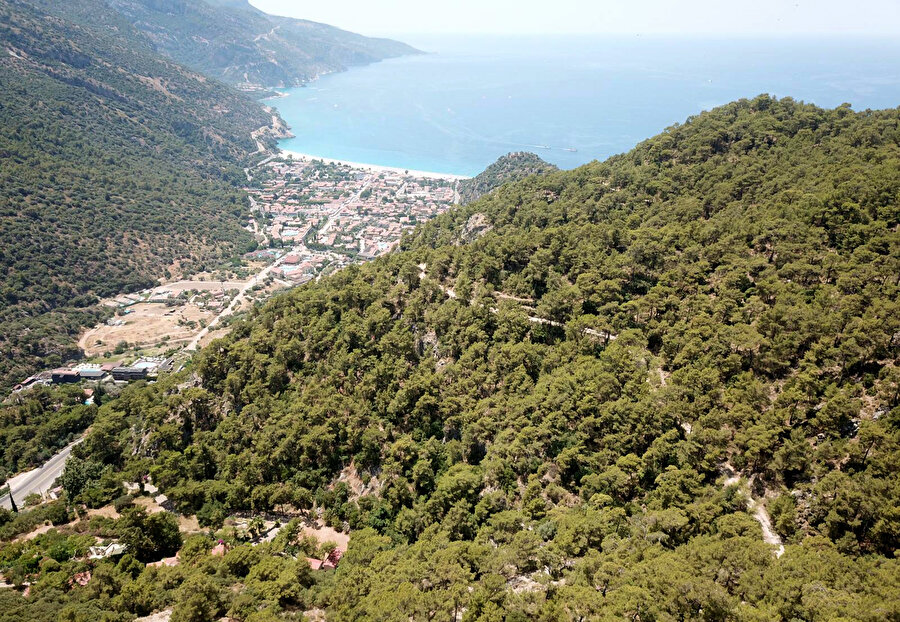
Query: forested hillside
point(115, 166)
point(589, 410)
point(235, 42)
point(511, 167)
point(36, 427)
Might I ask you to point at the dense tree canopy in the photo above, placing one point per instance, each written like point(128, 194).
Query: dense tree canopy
point(510, 168)
point(587, 406)
point(35, 425)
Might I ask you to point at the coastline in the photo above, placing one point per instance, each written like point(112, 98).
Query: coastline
point(377, 168)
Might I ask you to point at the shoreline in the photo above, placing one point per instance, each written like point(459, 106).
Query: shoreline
point(374, 167)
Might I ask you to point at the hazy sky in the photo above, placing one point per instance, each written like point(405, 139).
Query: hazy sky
point(728, 17)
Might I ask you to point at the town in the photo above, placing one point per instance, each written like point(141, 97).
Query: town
point(325, 206)
point(310, 217)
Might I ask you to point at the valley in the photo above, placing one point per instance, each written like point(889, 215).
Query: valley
point(242, 383)
point(316, 217)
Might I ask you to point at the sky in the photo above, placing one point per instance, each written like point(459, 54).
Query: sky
point(622, 17)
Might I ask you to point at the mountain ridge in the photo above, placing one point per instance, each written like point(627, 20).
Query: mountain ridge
point(237, 43)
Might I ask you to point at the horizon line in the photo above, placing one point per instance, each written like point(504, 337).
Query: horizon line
point(667, 34)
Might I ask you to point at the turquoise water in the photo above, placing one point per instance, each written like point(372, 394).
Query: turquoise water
point(572, 100)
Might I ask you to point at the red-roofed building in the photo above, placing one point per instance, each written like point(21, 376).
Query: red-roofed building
point(331, 562)
point(81, 578)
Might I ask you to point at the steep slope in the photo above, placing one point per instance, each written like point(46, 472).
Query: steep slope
point(235, 42)
point(511, 167)
point(115, 165)
point(585, 413)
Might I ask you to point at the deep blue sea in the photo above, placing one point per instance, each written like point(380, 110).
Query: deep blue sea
point(570, 100)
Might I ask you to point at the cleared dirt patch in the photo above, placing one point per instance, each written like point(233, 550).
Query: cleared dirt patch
point(149, 504)
point(146, 325)
point(324, 534)
point(31, 535)
point(188, 524)
point(106, 511)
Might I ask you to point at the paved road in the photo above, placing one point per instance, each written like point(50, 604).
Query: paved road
point(39, 480)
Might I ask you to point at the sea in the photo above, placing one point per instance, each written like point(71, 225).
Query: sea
point(469, 100)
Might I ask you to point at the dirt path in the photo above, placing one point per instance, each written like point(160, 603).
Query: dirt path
point(757, 508)
point(83, 340)
point(447, 290)
point(266, 35)
point(607, 336)
point(160, 616)
point(31, 535)
point(261, 148)
point(502, 296)
point(762, 517)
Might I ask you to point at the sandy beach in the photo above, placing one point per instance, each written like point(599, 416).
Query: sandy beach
point(374, 167)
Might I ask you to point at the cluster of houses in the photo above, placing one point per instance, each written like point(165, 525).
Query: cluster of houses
point(145, 368)
point(374, 222)
point(300, 267)
point(357, 210)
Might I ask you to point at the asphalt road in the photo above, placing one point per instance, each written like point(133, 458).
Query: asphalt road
point(39, 480)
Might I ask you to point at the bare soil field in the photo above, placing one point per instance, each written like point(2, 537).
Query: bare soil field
point(202, 286)
point(146, 325)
